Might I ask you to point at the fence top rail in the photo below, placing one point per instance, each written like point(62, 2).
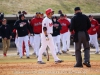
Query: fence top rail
point(29, 16)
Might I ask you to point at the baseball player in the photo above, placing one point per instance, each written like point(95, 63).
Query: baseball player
point(93, 33)
point(56, 34)
point(65, 35)
point(46, 37)
point(22, 27)
point(36, 24)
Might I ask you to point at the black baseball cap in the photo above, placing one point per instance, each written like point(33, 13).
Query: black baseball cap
point(38, 12)
point(90, 16)
point(77, 8)
point(62, 15)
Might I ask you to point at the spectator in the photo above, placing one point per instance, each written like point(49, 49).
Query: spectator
point(6, 36)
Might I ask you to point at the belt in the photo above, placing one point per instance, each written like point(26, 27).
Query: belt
point(36, 33)
point(50, 33)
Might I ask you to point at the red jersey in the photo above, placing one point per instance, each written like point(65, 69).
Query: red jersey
point(65, 24)
point(36, 24)
point(94, 25)
point(98, 31)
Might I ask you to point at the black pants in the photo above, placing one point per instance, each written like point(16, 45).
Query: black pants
point(82, 40)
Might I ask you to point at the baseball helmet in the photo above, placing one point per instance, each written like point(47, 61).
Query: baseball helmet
point(48, 11)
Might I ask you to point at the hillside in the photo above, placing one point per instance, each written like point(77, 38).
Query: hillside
point(31, 6)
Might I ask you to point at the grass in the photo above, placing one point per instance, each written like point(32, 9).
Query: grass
point(32, 6)
point(16, 59)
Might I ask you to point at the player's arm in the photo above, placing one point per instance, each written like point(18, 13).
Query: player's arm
point(97, 25)
point(29, 28)
point(45, 31)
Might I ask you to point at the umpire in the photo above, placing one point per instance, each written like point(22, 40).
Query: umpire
point(80, 24)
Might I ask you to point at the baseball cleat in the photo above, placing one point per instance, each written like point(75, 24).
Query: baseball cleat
point(67, 49)
point(4, 54)
point(59, 61)
point(20, 57)
point(73, 54)
point(58, 53)
point(17, 53)
point(64, 52)
point(34, 54)
point(96, 52)
point(27, 57)
point(44, 54)
point(41, 62)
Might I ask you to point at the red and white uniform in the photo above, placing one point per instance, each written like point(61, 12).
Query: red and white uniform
point(93, 34)
point(36, 24)
point(50, 43)
point(65, 35)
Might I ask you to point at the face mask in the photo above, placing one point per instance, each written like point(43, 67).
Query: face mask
point(54, 20)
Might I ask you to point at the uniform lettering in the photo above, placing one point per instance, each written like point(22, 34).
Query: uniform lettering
point(37, 24)
point(50, 24)
point(63, 24)
point(55, 25)
point(92, 25)
point(22, 23)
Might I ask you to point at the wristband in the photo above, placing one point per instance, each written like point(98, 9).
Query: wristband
point(46, 35)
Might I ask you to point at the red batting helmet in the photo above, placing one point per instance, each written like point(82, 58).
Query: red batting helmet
point(49, 10)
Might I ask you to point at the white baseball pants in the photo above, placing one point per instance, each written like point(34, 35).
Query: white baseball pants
point(50, 44)
point(32, 43)
point(57, 43)
point(93, 39)
point(65, 37)
point(16, 42)
point(20, 43)
point(37, 41)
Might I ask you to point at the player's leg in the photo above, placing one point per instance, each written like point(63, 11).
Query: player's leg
point(32, 43)
point(68, 40)
point(42, 48)
point(50, 44)
point(96, 43)
point(61, 37)
point(90, 41)
point(58, 44)
point(26, 38)
point(64, 39)
point(20, 43)
point(36, 43)
point(16, 42)
point(55, 40)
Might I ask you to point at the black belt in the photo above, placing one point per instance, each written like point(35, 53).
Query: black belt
point(36, 33)
point(50, 33)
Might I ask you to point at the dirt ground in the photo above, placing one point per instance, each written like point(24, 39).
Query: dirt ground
point(50, 68)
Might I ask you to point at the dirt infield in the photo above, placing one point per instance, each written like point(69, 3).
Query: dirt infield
point(50, 68)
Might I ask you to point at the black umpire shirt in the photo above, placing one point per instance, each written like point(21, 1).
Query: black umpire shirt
point(80, 22)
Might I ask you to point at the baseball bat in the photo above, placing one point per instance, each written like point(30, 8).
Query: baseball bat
point(47, 54)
